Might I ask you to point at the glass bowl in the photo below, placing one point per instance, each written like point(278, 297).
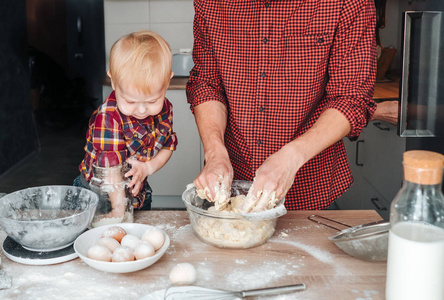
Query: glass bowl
point(47, 218)
point(230, 230)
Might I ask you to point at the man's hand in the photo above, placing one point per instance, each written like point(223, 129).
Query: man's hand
point(278, 171)
point(216, 177)
point(386, 111)
point(273, 180)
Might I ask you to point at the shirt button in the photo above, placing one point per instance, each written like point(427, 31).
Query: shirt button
point(261, 109)
point(135, 135)
point(258, 142)
point(263, 74)
point(264, 40)
point(145, 151)
point(320, 40)
point(267, 4)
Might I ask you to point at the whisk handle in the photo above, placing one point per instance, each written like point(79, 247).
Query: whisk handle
point(273, 291)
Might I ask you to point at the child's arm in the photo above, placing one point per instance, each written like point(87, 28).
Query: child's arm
point(141, 170)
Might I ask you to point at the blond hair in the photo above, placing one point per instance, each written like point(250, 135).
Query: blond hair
point(140, 59)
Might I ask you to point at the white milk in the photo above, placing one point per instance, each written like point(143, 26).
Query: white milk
point(415, 264)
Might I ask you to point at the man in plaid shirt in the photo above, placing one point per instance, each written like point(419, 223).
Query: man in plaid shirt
point(275, 87)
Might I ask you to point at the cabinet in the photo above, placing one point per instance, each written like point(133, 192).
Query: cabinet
point(186, 162)
point(376, 163)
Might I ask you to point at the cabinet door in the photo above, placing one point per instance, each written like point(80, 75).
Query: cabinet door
point(185, 163)
point(383, 158)
point(374, 200)
point(353, 197)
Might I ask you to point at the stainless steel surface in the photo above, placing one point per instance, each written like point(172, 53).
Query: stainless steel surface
point(367, 242)
point(420, 90)
point(195, 292)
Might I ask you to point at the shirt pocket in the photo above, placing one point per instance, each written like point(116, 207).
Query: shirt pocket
point(307, 54)
point(136, 138)
point(162, 132)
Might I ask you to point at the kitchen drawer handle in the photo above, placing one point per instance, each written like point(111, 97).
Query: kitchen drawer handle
point(357, 153)
point(378, 125)
point(375, 203)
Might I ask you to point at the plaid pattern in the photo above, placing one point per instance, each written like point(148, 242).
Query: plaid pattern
point(113, 136)
point(277, 65)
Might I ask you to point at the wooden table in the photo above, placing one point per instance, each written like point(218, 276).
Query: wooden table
point(299, 252)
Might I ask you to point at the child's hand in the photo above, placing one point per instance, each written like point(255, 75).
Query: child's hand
point(140, 171)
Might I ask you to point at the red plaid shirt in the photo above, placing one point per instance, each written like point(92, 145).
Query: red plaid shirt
point(113, 136)
point(277, 65)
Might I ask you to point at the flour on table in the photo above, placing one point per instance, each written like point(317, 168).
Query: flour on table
point(321, 255)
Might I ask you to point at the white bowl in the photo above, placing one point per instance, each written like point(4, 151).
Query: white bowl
point(90, 237)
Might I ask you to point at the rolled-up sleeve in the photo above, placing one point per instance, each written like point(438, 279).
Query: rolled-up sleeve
point(205, 82)
point(108, 142)
point(167, 137)
point(352, 68)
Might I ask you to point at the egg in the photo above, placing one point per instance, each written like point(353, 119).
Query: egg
point(100, 252)
point(183, 274)
point(155, 237)
point(115, 232)
point(109, 243)
point(144, 250)
point(131, 241)
point(122, 254)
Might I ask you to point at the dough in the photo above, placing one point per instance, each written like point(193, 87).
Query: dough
point(240, 203)
point(183, 274)
point(237, 233)
point(155, 237)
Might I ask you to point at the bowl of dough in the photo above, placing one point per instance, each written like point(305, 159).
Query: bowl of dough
point(47, 218)
point(226, 227)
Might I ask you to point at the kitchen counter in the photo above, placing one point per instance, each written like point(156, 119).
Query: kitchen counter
point(176, 83)
point(387, 90)
point(299, 252)
point(383, 90)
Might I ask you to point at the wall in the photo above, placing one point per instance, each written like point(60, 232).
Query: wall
point(172, 19)
point(391, 35)
point(17, 132)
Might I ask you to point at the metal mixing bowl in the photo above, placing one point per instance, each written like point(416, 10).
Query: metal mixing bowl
point(230, 230)
point(47, 218)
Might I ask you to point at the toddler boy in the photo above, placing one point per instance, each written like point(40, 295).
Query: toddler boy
point(134, 124)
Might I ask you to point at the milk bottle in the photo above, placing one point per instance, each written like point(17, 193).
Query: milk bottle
point(415, 263)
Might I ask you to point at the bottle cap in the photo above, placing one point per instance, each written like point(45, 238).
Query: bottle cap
point(423, 167)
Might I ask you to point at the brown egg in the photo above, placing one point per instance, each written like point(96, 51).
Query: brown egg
point(123, 254)
point(115, 232)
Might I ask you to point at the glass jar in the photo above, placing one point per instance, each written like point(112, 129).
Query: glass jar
point(415, 263)
point(115, 201)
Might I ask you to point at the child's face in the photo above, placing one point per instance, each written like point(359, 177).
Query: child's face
point(133, 103)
